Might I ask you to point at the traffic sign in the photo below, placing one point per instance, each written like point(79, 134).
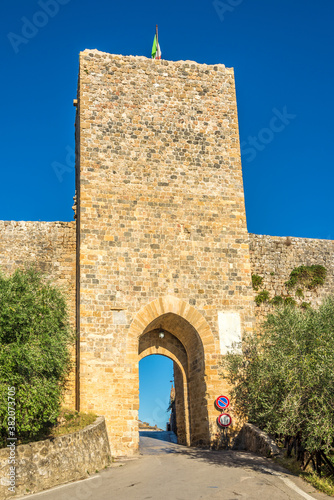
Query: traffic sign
point(222, 402)
point(224, 420)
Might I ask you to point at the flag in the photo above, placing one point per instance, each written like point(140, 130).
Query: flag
point(156, 51)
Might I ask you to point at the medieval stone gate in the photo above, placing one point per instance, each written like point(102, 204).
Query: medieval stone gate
point(163, 242)
point(159, 242)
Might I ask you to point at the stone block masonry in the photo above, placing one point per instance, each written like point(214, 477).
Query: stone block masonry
point(274, 257)
point(162, 221)
point(50, 247)
point(44, 464)
point(160, 242)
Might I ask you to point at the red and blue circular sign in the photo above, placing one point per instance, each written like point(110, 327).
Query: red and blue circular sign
point(224, 420)
point(222, 402)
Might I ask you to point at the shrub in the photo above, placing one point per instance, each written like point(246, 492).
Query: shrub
point(277, 300)
point(308, 276)
point(284, 382)
point(262, 297)
point(256, 281)
point(34, 351)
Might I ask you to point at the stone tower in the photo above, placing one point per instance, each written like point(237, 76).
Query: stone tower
point(162, 237)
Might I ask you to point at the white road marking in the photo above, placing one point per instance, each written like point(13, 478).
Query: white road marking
point(289, 483)
point(76, 482)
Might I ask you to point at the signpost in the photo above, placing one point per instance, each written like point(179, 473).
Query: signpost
point(224, 420)
point(222, 402)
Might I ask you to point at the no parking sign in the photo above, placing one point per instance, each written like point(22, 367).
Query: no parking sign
point(222, 402)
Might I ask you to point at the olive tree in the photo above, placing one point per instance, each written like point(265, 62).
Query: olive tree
point(284, 380)
point(35, 339)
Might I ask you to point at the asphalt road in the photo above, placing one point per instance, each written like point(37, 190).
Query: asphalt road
point(167, 471)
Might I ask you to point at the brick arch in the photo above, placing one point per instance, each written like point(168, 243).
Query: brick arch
point(170, 304)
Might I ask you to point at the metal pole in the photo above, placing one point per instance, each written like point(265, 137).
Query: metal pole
point(156, 33)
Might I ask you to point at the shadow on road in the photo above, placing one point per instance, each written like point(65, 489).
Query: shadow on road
point(231, 458)
point(228, 458)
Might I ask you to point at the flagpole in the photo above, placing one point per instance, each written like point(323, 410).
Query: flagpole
point(156, 32)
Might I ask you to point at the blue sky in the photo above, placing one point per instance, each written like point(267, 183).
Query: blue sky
point(155, 376)
point(282, 52)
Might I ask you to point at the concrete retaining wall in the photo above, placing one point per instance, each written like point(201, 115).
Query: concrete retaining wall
point(44, 464)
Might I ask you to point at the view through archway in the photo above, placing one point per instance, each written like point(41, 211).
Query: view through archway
point(156, 379)
point(174, 337)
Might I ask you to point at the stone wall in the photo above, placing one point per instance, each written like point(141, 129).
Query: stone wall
point(161, 239)
point(162, 217)
point(180, 407)
point(273, 258)
point(44, 464)
point(51, 247)
point(251, 438)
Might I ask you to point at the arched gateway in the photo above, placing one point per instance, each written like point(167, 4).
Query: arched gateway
point(162, 241)
point(188, 341)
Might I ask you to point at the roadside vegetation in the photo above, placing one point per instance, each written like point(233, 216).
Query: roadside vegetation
point(35, 359)
point(70, 421)
point(284, 384)
point(323, 483)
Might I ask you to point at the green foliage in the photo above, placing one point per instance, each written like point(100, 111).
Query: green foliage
point(305, 305)
point(299, 293)
point(277, 300)
point(256, 281)
point(71, 421)
point(262, 297)
point(284, 382)
point(34, 352)
point(307, 276)
point(289, 301)
point(324, 484)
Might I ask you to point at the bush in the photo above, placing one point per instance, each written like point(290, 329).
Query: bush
point(35, 337)
point(262, 297)
point(308, 276)
point(277, 300)
point(284, 382)
point(290, 301)
point(256, 281)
